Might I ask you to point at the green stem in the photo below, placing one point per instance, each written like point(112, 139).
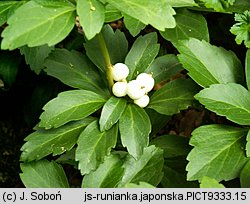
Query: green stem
point(107, 61)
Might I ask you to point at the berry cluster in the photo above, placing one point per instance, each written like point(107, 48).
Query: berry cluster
point(136, 89)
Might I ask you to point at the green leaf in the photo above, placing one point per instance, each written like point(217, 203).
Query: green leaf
point(133, 25)
point(242, 28)
point(148, 168)
point(208, 64)
point(181, 3)
point(219, 154)
point(140, 185)
point(173, 96)
point(103, 1)
point(57, 141)
point(43, 174)
point(111, 13)
point(70, 106)
point(111, 112)
point(7, 8)
point(230, 100)
point(76, 70)
point(92, 16)
point(188, 24)
point(248, 144)
point(39, 95)
point(28, 24)
point(134, 126)
point(172, 145)
point(35, 56)
point(247, 68)
point(157, 13)
point(116, 43)
point(218, 5)
point(245, 176)
point(107, 175)
point(175, 150)
point(164, 67)
point(93, 146)
point(8, 67)
point(68, 158)
point(239, 6)
point(208, 182)
point(158, 121)
point(142, 54)
point(54, 3)
point(175, 175)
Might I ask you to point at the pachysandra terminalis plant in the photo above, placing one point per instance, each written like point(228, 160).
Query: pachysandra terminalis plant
point(122, 94)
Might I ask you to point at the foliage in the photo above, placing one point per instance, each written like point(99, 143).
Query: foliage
point(242, 28)
point(224, 161)
point(218, 5)
point(188, 24)
point(196, 57)
point(208, 182)
point(111, 141)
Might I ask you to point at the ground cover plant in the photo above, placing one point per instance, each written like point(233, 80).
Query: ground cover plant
point(116, 75)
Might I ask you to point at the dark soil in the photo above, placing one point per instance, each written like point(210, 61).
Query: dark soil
point(11, 141)
point(12, 132)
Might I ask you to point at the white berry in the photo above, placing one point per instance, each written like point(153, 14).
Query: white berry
point(147, 81)
point(143, 101)
point(120, 71)
point(135, 90)
point(119, 89)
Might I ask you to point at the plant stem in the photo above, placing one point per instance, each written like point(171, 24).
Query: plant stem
point(107, 61)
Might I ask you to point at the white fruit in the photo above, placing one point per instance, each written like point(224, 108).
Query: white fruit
point(143, 101)
point(119, 89)
point(146, 81)
point(135, 90)
point(120, 71)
